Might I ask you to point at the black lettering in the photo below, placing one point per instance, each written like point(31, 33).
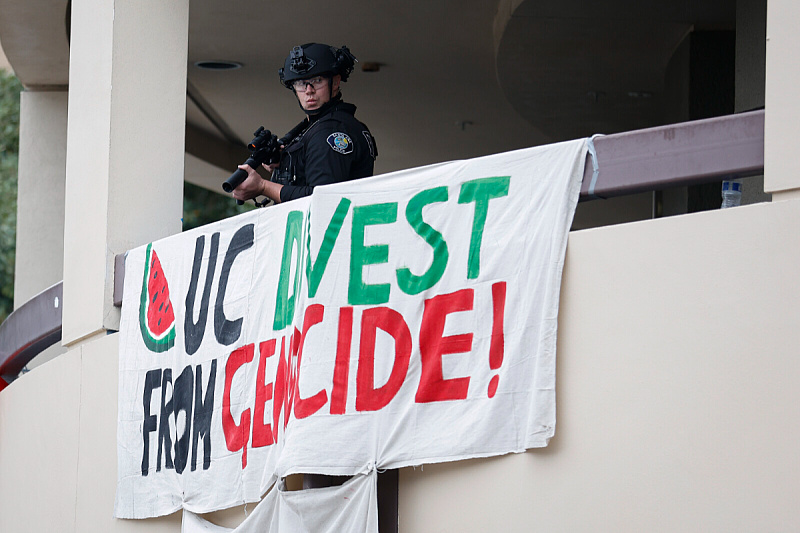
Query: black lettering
point(152, 380)
point(164, 438)
point(194, 331)
point(182, 399)
point(228, 331)
point(203, 409)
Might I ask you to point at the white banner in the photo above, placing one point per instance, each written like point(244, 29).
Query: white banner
point(351, 507)
point(398, 320)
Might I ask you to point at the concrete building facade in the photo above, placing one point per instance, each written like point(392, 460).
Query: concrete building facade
point(678, 404)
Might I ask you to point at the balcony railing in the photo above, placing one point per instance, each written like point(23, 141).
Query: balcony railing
point(28, 331)
point(652, 159)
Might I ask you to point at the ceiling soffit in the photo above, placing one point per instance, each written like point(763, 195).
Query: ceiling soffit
point(575, 68)
point(435, 97)
point(34, 37)
point(459, 78)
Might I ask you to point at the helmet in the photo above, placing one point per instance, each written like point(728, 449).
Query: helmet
point(313, 59)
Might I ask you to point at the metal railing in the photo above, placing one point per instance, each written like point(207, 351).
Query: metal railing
point(30, 329)
point(652, 159)
point(688, 153)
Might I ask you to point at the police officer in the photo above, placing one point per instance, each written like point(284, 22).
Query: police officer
point(330, 145)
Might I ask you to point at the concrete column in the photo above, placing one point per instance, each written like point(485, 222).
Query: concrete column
point(40, 193)
point(782, 114)
point(125, 148)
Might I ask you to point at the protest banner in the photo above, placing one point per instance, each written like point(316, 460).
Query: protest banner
point(399, 320)
point(351, 507)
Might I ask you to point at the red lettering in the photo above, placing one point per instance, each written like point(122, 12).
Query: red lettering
point(236, 436)
point(280, 400)
point(285, 380)
point(262, 433)
point(432, 385)
point(293, 371)
point(305, 407)
point(341, 371)
point(497, 346)
point(284, 391)
point(369, 398)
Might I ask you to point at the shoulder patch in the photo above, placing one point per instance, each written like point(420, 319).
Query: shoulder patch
point(340, 142)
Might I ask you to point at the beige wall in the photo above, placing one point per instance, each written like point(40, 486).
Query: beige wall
point(677, 401)
point(677, 386)
point(58, 447)
point(677, 390)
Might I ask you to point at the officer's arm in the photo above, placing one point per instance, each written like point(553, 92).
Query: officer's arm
point(254, 185)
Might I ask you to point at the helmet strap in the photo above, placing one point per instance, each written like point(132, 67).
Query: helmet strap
point(324, 107)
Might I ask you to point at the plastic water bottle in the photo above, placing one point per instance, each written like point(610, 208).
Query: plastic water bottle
point(731, 194)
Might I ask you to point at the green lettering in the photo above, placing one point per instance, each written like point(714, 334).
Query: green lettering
point(284, 304)
point(315, 272)
point(359, 292)
point(408, 282)
point(480, 191)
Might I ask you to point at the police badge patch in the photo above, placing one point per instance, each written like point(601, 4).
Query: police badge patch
point(340, 142)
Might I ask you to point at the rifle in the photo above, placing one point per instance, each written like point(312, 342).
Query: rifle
point(264, 148)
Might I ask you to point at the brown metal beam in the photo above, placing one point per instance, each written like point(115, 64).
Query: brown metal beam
point(119, 278)
point(27, 331)
point(625, 163)
point(688, 153)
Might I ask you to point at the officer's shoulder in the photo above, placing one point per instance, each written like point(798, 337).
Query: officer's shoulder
point(331, 119)
point(324, 129)
point(340, 117)
point(332, 123)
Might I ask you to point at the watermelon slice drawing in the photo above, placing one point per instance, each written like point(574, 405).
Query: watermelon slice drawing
point(156, 316)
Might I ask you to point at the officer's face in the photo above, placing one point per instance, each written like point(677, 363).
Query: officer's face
point(315, 93)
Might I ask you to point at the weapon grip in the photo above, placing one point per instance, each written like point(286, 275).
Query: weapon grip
point(239, 176)
point(235, 180)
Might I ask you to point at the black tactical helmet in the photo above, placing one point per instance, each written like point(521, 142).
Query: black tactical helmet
point(313, 59)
